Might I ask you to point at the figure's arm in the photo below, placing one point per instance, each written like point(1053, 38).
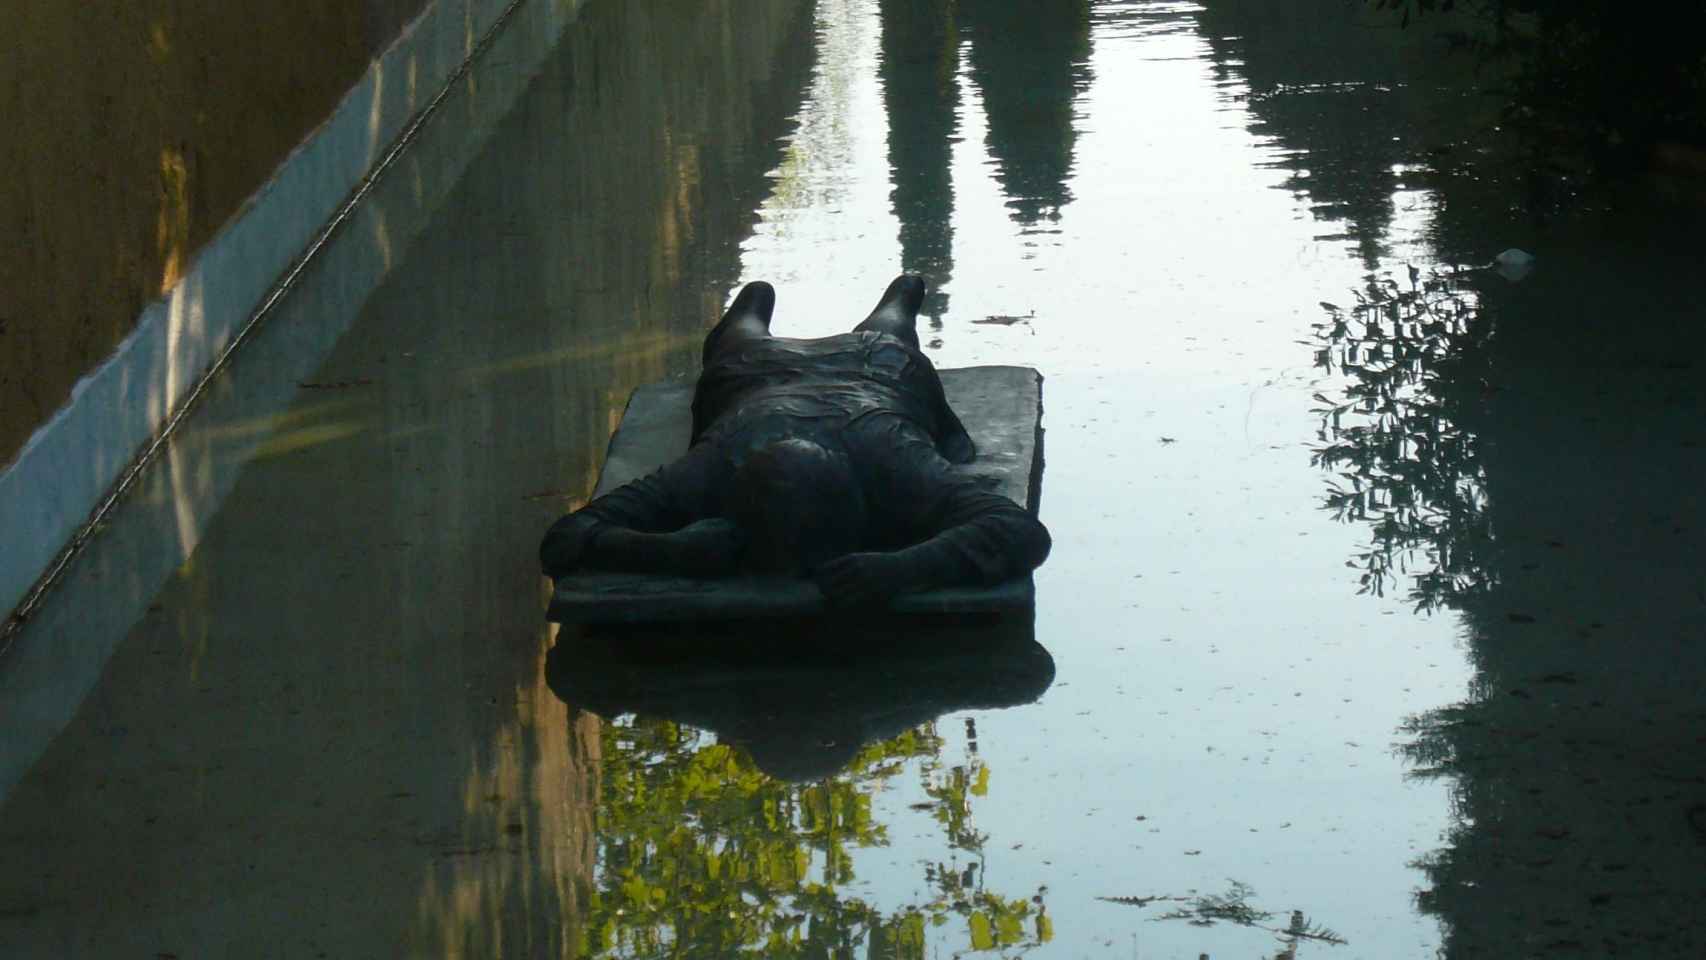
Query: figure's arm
point(983, 539)
point(655, 524)
point(964, 535)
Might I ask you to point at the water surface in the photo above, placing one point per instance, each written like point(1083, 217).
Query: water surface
point(1373, 614)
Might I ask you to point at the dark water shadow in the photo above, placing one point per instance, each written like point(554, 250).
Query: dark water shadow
point(802, 697)
point(1526, 459)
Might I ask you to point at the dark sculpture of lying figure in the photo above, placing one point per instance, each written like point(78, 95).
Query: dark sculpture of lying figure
point(830, 458)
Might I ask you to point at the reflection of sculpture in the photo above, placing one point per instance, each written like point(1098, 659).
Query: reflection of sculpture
point(829, 457)
point(805, 719)
point(734, 803)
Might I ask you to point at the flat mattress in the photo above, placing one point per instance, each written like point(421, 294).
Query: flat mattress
point(1001, 408)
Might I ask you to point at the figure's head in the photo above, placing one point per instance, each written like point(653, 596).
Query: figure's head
point(799, 503)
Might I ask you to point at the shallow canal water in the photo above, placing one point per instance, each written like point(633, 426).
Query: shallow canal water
point(1372, 627)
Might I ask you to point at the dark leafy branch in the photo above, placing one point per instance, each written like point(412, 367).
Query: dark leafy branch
point(1234, 906)
point(1399, 461)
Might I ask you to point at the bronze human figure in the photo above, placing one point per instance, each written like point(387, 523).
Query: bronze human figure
point(832, 458)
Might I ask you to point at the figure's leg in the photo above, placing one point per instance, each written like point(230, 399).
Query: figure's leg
point(747, 318)
point(897, 311)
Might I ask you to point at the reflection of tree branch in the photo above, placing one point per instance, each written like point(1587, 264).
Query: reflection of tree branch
point(702, 850)
point(952, 801)
point(1233, 906)
point(1400, 462)
point(994, 921)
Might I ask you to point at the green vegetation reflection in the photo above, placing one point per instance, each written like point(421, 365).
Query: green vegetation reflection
point(702, 853)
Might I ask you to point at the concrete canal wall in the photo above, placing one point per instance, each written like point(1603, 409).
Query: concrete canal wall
point(290, 644)
point(135, 132)
point(168, 163)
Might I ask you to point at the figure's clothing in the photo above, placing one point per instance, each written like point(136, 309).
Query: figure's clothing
point(832, 378)
point(865, 392)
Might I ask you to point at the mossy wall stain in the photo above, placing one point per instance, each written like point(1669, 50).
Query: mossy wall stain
point(134, 131)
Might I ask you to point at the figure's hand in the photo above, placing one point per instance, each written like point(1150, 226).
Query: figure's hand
point(559, 553)
point(860, 579)
point(707, 548)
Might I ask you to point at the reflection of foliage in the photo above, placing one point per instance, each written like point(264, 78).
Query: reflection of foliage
point(952, 794)
point(705, 854)
point(1301, 928)
point(1233, 906)
point(994, 921)
point(1207, 909)
point(1402, 465)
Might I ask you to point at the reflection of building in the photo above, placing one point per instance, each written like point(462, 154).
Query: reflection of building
point(329, 730)
point(1030, 62)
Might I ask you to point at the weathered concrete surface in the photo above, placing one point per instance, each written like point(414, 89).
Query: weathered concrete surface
point(152, 224)
point(1001, 408)
point(118, 175)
